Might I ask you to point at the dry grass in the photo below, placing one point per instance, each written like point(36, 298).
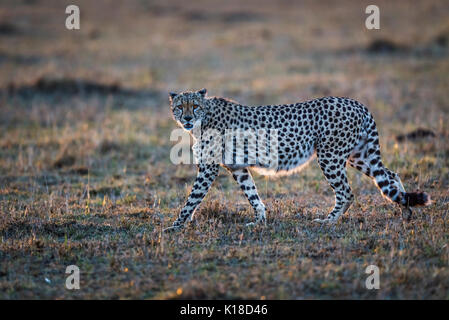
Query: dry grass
point(85, 176)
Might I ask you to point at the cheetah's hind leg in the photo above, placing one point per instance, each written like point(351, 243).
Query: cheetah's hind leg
point(336, 176)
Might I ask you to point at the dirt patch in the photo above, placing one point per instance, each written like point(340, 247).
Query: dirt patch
point(240, 17)
point(105, 191)
point(385, 46)
point(8, 29)
point(420, 133)
point(69, 87)
point(196, 16)
point(108, 146)
point(79, 170)
point(441, 39)
point(64, 160)
point(224, 17)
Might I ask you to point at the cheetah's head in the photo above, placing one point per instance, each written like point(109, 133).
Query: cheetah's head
point(188, 107)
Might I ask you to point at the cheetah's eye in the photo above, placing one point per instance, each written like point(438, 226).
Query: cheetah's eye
point(195, 107)
point(179, 108)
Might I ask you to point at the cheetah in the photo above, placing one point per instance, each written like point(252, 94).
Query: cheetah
point(337, 131)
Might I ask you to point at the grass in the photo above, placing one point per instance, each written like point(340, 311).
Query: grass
point(85, 175)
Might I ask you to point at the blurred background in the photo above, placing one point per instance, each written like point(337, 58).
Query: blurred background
point(128, 55)
point(85, 123)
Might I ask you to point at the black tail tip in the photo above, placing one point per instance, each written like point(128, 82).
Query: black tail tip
point(413, 199)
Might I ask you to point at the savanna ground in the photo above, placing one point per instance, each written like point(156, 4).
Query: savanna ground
point(85, 173)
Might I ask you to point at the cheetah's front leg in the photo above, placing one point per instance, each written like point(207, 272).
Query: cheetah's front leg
point(206, 175)
point(246, 182)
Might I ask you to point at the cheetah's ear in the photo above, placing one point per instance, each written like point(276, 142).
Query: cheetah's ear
point(203, 92)
point(172, 95)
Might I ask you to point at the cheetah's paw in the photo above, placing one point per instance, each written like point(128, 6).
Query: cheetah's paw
point(172, 229)
point(325, 221)
point(256, 223)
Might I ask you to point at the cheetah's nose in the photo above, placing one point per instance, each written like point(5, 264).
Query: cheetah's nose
point(188, 118)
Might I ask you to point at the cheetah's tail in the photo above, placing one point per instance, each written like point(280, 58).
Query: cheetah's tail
point(414, 199)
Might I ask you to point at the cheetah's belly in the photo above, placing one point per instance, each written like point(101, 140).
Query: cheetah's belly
point(288, 166)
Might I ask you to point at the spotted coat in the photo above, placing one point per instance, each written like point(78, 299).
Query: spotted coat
point(337, 131)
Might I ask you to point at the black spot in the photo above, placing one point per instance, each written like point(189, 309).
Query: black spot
point(382, 183)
